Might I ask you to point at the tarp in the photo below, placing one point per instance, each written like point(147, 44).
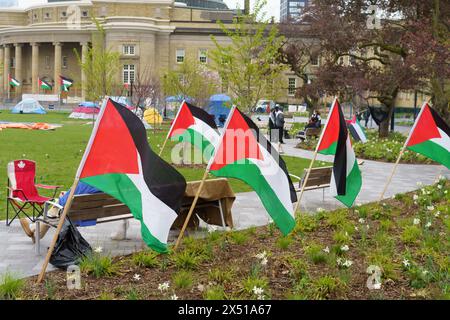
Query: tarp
point(219, 106)
point(28, 106)
point(152, 116)
point(85, 110)
point(28, 126)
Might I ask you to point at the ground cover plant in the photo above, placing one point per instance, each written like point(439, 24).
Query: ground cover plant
point(399, 248)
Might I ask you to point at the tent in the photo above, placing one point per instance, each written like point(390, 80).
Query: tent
point(28, 106)
point(219, 106)
point(152, 116)
point(85, 110)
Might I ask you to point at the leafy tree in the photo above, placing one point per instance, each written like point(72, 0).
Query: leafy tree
point(101, 67)
point(248, 66)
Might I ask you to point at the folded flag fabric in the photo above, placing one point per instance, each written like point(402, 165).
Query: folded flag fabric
point(119, 162)
point(430, 136)
point(44, 85)
point(346, 180)
point(196, 126)
point(13, 82)
point(357, 131)
point(243, 153)
point(66, 83)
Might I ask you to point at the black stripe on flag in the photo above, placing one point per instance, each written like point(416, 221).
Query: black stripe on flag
point(340, 159)
point(272, 151)
point(162, 179)
point(202, 115)
point(355, 134)
point(440, 122)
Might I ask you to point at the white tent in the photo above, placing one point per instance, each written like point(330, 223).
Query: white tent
point(28, 106)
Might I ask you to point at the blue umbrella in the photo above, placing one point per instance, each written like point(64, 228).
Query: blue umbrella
point(220, 98)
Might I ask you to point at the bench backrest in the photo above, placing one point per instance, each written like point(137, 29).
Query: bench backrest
point(313, 131)
point(96, 206)
point(318, 177)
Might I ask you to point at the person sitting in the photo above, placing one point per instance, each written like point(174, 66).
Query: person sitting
point(314, 122)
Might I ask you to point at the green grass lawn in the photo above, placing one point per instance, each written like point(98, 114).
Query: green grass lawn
point(58, 153)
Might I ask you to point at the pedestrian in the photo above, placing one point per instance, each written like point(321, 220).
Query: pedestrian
point(279, 123)
point(272, 127)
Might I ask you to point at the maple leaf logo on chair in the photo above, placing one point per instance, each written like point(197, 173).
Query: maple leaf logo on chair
point(21, 165)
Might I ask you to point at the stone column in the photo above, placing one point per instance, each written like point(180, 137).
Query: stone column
point(58, 63)
point(6, 67)
point(84, 53)
point(18, 74)
point(35, 67)
point(2, 72)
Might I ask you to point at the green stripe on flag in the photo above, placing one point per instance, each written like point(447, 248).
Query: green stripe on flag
point(196, 139)
point(433, 151)
point(353, 186)
point(251, 174)
point(331, 150)
point(123, 189)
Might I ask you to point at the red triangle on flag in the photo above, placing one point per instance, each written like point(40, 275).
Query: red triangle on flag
point(424, 129)
point(331, 133)
point(183, 121)
point(113, 149)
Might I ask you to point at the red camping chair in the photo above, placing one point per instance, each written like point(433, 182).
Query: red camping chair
point(23, 194)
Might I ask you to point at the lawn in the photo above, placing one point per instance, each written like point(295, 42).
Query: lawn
point(58, 153)
point(397, 249)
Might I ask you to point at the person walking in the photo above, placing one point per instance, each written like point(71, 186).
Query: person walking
point(279, 123)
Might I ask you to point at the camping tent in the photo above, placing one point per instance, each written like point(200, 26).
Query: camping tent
point(85, 110)
point(28, 106)
point(152, 116)
point(219, 107)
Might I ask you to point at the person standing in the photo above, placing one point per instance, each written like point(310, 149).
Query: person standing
point(272, 127)
point(279, 123)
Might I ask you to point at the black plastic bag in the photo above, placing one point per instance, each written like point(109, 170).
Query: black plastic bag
point(378, 115)
point(70, 247)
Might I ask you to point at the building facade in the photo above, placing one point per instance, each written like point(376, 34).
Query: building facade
point(290, 9)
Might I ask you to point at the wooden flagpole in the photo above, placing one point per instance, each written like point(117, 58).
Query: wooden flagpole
point(402, 151)
point(313, 159)
point(167, 138)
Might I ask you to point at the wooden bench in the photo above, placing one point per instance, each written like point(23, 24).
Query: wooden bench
point(319, 178)
point(103, 208)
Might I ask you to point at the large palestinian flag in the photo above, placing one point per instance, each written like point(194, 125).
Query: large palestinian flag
point(196, 126)
point(119, 162)
point(346, 179)
point(44, 85)
point(66, 83)
point(357, 130)
point(245, 154)
point(430, 136)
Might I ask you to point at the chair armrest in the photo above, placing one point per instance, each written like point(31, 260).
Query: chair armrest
point(19, 190)
point(295, 177)
point(43, 186)
point(55, 204)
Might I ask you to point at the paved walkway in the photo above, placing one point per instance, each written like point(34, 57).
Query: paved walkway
point(17, 252)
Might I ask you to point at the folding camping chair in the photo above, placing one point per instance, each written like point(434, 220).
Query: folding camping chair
point(23, 194)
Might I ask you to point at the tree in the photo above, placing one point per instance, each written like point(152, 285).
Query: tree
point(101, 66)
point(191, 80)
point(147, 89)
point(248, 66)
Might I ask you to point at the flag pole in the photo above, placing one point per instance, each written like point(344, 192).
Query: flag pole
point(297, 205)
point(402, 151)
point(170, 129)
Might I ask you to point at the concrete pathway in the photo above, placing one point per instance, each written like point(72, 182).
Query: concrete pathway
point(17, 252)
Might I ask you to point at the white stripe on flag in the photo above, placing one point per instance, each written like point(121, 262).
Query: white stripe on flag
point(443, 141)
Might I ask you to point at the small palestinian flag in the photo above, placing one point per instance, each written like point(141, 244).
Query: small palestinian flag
point(357, 131)
point(119, 162)
point(44, 85)
point(13, 82)
point(196, 126)
point(66, 83)
point(245, 154)
point(430, 136)
point(346, 180)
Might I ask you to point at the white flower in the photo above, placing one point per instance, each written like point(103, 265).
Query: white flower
point(261, 297)
point(319, 210)
point(201, 288)
point(261, 255)
point(98, 249)
point(137, 277)
point(439, 186)
point(445, 192)
point(406, 263)
point(367, 226)
point(163, 286)
point(430, 208)
point(264, 262)
point(416, 197)
point(327, 250)
point(347, 263)
point(174, 297)
point(377, 285)
point(356, 211)
point(258, 291)
point(416, 221)
point(361, 220)
point(425, 272)
point(437, 214)
point(344, 248)
point(428, 224)
point(356, 229)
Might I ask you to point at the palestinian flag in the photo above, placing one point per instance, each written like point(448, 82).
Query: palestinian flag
point(357, 131)
point(430, 136)
point(66, 83)
point(44, 85)
point(346, 180)
point(119, 162)
point(13, 82)
point(196, 126)
point(245, 154)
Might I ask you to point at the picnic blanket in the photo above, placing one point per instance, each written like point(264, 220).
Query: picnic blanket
point(28, 126)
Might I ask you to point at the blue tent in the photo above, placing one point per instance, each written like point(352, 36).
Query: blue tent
point(88, 104)
point(219, 107)
point(28, 106)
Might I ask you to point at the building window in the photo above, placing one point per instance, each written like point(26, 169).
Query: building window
point(292, 86)
point(315, 60)
point(85, 14)
point(129, 50)
point(47, 15)
point(180, 55)
point(63, 14)
point(203, 56)
point(64, 62)
point(129, 73)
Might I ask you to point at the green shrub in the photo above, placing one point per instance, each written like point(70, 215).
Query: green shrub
point(220, 276)
point(10, 286)
point(99, 266)
point(183, 279)
point(315, 253)
point(284, 242)
point(250, 282)
point(305, 223)
point(214, 293)
point(326, 286)
point(146, 259)
point(238, 237)
point(186, 260)
point(411, 234)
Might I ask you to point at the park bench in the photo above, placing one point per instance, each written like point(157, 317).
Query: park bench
point(319, 178)
point(309, 132)
point(103, 208)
